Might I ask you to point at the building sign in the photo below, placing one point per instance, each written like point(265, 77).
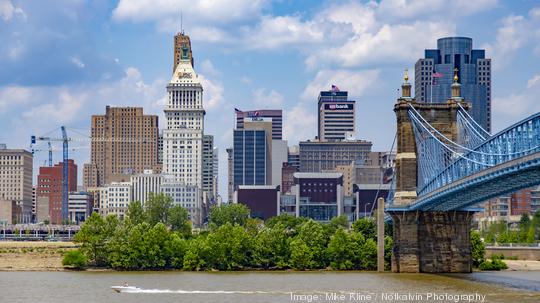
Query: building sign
point(253, 114)
point(184, 75)
point(259, 119)
point(338, 106)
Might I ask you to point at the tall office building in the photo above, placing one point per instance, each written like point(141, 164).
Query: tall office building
point(230, 174)
point(208, 165)
point(16, 180)
point(434, 75)
point(215, 153)
point(273, 115)
point(124, 142)
point(145, 184)
point(250, 157)
point(336, 115)
point(184, 113)
point(50, 181)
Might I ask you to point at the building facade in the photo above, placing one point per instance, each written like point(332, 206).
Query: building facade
point(287, 177)
point(50, 185)
point(80, 205)
point(208, 165)
point(230, 174)
point(319, 196)
point(317, 156)
point(184, 113)
point(250, 158)
point(16, 180)
point(144, 184)
point(187, 196)
point(115, 198)
point(262, 200)
point(273, 115)
point(124, 142)
point(336, 116)
point(434, 76)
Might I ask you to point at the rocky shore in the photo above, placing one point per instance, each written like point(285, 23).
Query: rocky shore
point(33, 256)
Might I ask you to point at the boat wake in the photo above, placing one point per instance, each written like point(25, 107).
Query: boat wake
point(180, 291)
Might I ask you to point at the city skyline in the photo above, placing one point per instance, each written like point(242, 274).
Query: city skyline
point(126, 61)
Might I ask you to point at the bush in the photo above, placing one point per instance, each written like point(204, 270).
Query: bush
point(478, 249)
point(75, 259)
point(495, 264)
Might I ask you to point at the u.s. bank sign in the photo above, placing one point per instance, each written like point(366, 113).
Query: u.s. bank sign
point(338, 106)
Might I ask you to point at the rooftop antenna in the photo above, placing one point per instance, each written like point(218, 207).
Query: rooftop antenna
point(181, 23)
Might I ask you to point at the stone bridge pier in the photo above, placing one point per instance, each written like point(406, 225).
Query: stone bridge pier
point(426, 241)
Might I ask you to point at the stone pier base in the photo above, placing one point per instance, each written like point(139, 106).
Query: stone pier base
point(432, 242)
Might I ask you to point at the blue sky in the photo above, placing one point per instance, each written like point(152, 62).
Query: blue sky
point(62, 61)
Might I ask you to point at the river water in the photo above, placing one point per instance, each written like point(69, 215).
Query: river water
point(240, 287)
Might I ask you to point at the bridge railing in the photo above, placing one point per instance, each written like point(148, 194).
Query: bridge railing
point(518, 140)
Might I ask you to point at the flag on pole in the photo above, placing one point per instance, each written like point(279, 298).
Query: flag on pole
point(436, 75)
point(335, 88)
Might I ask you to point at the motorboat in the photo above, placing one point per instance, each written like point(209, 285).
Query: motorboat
point(125, 288)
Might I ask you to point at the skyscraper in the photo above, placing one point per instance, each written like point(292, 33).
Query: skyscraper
point(434, 75)
point(336, 115)
point(184, 113)
point(274, 115)
point(208, 165)
point(250, 160)
point(124, 142)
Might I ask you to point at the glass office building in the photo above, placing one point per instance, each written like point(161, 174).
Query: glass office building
point(249, 157)
point(474, 72)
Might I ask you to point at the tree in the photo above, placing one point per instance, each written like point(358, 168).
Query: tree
point(229, 248)
point(301, 255)
point(178, 220)
point(388, 248)
point(291, 223)
point(366, 227)
point(93, 236)
point(271, 247)
point(176, 248)
point(341, 250)
point(313, 235)
point(478, 249)
point(234, 213)
point(157, 208)
point(135, 213)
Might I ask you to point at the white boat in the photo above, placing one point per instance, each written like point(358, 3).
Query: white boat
point(126, 288)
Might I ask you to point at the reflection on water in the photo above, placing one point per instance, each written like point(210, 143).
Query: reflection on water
point(240, 287)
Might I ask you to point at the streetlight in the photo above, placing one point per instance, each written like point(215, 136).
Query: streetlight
point(365, 207)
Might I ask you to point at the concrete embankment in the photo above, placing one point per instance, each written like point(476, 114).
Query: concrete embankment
point(33, 256)
point(515, 252)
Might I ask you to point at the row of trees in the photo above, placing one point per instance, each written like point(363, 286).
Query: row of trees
point(528, 231)
point(158, 236)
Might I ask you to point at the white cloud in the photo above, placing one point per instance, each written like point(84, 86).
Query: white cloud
point(299, 123)
point(14, 96)
point(77, 62)
point(356, 82)
point(516, 106)
point(8, 11)
point(515, 32)
point(64, 110)
point(533, 81)
point(264, 97)
point(213, 93)
point(422, 8)
point(246, 80)
point(208, 69)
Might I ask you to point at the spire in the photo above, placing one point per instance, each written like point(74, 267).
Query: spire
point(456, 87)
point(406, 86)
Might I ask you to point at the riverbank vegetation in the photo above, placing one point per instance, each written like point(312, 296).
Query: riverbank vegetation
point(158, 236)
point(526, 232)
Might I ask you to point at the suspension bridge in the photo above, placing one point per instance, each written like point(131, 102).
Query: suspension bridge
point(446, 164)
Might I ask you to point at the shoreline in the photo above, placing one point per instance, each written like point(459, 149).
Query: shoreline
point(47, 256)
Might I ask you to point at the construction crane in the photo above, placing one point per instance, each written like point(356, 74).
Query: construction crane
point(64, 139)
point(50, 162)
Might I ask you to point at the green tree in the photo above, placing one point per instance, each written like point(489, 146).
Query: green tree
point(234, 213)
point(388, 249)
point(230, 247)
point(197, 254)
point(94, 235)
point(341, 250)
point(291, 223)
point(366, 227)
point(478, 249)
point(271, 247)
point(153, 252)
point(301, 255)
point(178, 220)
point(157, 208)
point(75, 259)
point(176, 248)
point(135, 213)
point(313, 235)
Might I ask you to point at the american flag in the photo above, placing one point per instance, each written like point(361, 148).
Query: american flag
point(335, 88)
point(436, 75)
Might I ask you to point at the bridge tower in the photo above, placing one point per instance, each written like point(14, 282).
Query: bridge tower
point(426, 241)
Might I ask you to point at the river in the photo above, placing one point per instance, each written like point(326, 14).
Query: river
point(240, 287)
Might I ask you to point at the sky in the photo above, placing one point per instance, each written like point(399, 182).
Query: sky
point(62, 61)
